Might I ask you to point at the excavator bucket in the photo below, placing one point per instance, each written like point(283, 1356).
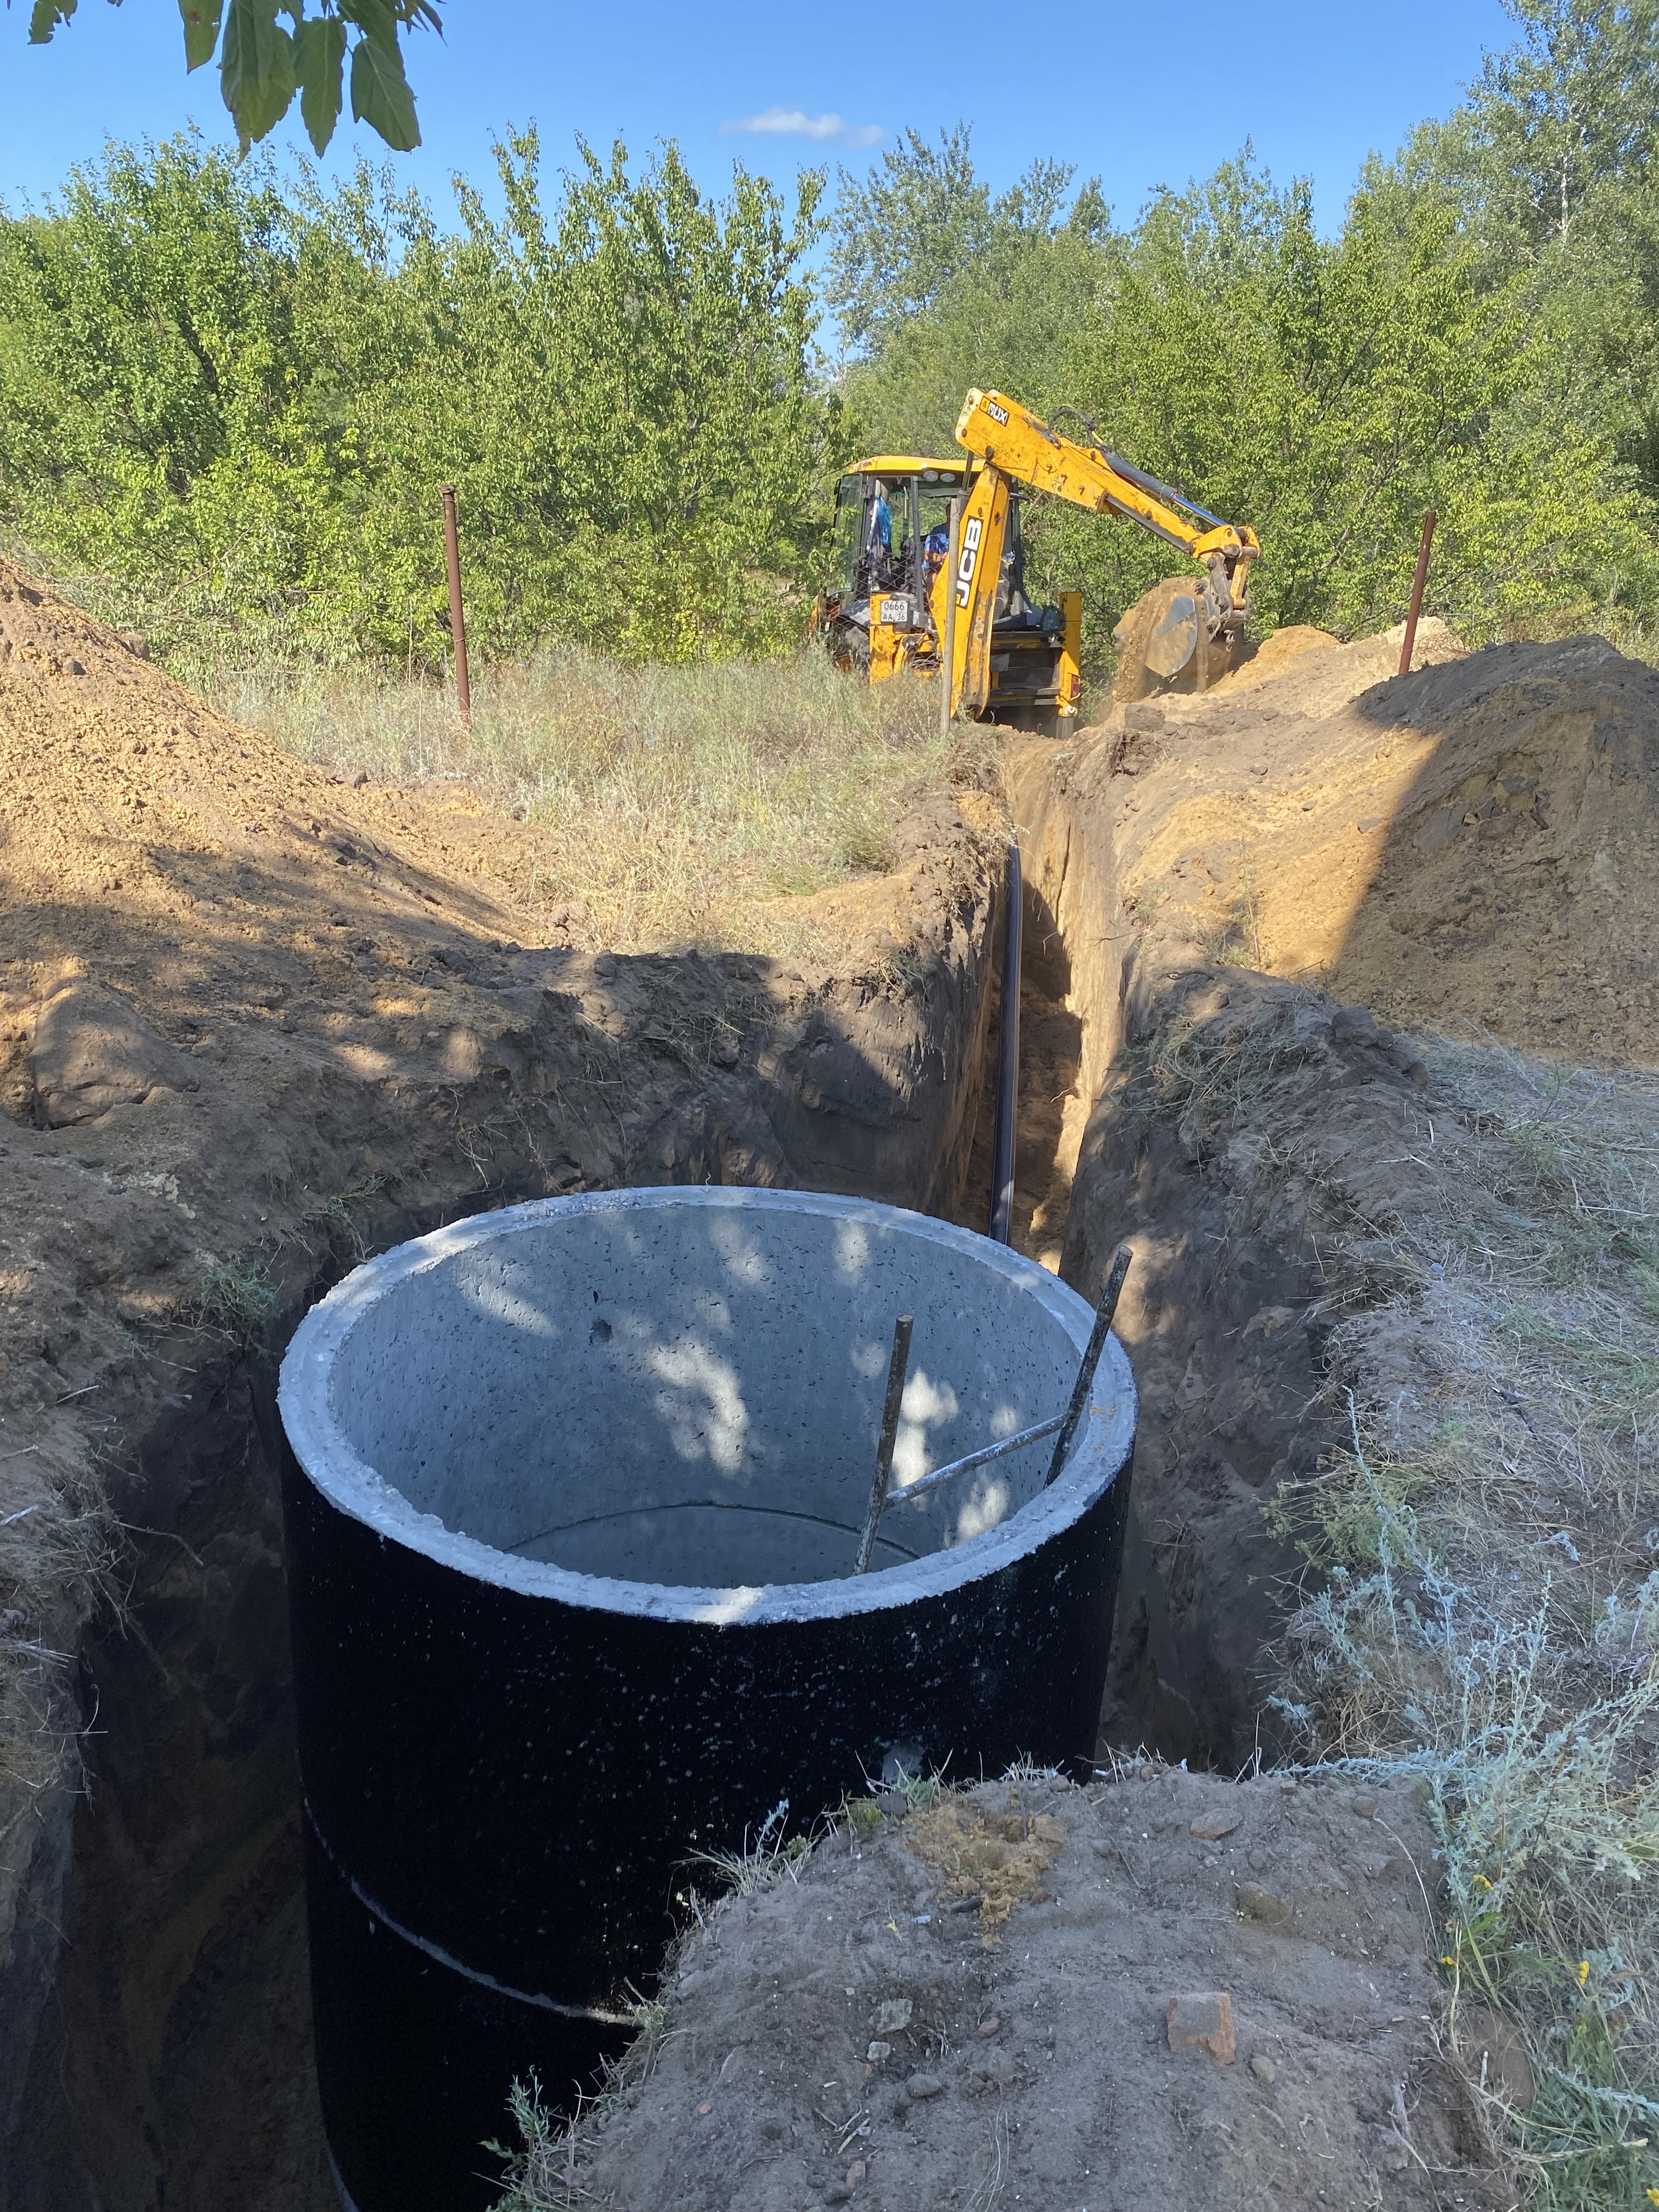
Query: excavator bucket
point(1163, 643)
point(1174, 637)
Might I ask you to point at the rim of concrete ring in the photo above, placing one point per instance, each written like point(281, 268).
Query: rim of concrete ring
point(1098, 1456)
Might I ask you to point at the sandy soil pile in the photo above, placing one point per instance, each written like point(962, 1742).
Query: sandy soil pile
point(863, 2033)
point(191, 914)
point(1474, 845)
point(126, 801)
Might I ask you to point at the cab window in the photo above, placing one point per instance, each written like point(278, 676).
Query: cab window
point(849, 532)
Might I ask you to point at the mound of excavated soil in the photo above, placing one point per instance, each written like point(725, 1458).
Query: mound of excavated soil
point(1281, 646)
point(191, 913)
point(1473, 845)
point(861, 2034)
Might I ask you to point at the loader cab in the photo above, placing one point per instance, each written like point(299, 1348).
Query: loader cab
point(876, 616)
point(919, 493)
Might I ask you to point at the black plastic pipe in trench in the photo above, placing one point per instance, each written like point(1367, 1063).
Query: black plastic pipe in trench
point(1002, 1140)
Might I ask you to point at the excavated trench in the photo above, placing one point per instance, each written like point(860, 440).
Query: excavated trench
point(172, 2069)
point(1197, 1606)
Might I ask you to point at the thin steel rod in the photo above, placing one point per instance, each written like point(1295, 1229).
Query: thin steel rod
point(1086, 1374)
point(890, 1421)
point(1002, 1140)
point(1409, 640)
point(457, 611)
point(948, 643)
point(955, 1467)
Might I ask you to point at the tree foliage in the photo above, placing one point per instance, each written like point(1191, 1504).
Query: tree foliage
point(244, 408)
point(920, 221)
point(1325, 390)
point(238, 405)
point(263, 67)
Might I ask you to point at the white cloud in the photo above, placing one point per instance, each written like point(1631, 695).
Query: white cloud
point(796, 123)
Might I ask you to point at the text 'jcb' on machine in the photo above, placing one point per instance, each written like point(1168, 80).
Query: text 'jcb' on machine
point(1012, 662)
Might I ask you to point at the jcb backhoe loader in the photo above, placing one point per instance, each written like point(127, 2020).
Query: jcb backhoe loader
point(1012, 662)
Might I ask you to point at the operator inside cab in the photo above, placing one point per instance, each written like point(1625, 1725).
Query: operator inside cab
point(879, 548)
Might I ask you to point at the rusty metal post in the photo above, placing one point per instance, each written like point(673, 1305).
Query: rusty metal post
point(457, 613)
point(1409, 640)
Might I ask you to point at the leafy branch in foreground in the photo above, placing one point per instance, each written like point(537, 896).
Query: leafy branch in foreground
point(261, 66)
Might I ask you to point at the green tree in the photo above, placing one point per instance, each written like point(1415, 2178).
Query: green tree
point(148, 376)
point(1007, 323)
point(241, 410)
point(1550, 161)
point(1356, 382)
point(1568, 109)
point(1325, 392)
point(920, 220)
point(622, 387)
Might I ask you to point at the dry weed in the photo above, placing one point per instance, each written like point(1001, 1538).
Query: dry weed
point(677, 805)
point(770, 1859)
point(541, 2173)
point(59, 1557)
point(1204, 1067)
point(1483, 1608)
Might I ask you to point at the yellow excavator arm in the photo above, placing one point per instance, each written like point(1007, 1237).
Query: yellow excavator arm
point(1014, 444)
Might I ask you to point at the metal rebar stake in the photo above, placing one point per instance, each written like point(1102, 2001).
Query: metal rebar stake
point(1086, 1374)
point(890, 1421)
point(970, 1460)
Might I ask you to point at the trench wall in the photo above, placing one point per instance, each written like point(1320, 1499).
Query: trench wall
point(1231, 1386)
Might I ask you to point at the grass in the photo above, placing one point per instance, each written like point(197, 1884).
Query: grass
point(1233, 937)
point(670, 804)
point(1481, 1609)
point(60, 1553)
point(237, 1298)
point(541, 2173)
point(760, 1866)
point(1201, 1070)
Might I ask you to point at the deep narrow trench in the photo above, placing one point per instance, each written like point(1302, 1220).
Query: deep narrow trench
point(1052, 1109)
point(173, 2066)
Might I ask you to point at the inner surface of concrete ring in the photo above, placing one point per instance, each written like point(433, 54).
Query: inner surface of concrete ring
point(666, 1401)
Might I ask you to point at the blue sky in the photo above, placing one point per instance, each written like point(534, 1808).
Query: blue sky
point(1141, 95)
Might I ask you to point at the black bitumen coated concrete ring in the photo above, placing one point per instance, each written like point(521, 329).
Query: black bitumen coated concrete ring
point(572, 1494)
